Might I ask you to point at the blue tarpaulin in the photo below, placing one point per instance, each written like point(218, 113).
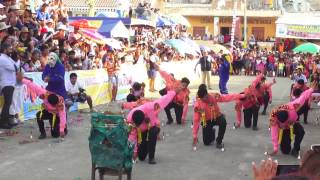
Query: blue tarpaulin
point(162, 21)
point(108, 27)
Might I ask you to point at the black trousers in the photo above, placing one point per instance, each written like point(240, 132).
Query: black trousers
point(148, 144)
point(55, 128)
point(7, 93)
point(266, 99)
point(285, 145)
point(208, 132)
point(178, 109)
point(305, 111)
point(250, 116)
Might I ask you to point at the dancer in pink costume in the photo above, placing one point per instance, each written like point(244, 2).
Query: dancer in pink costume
point(146, 126)
point(53, 108)
point(180, 101)
point(284, 125)
point(208, 114)
point(255, 97)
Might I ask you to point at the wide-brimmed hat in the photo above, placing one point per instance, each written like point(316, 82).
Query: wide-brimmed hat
point(14, 7)
point(25, 30)
point(62, 27)
point(50, 21)
point(3, 17)
point(4, 26)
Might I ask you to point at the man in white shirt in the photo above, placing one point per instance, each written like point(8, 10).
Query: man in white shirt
point(298, 76)
point(76, 92)
point(8, 79)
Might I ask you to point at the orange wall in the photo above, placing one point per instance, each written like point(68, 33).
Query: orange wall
point(268, 23)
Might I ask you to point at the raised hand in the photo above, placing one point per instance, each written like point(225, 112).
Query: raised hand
point(266, 171)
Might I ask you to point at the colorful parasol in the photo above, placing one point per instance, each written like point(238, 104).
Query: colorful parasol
point(307, 48)
point(93, 35)
point(82, 23)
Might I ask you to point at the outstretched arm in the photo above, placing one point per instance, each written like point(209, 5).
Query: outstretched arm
point(238, 109)
point(303, 97)
point(33, 89)
point(275, 137)
point(164, 100)
point(228, 97)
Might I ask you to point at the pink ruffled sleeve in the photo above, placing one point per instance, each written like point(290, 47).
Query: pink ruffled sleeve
point(275, 137)
point(33, 89)
point(63, 119)
point(230, 97)
point(166, 99)
point(185, 112)
point(129, 105)
point(196, 120)
point(238, 112)
point(168, 78)
point(303, 97)
point(269, 89)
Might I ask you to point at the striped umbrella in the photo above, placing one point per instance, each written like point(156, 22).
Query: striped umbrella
point(93, 35)
point(82, 23)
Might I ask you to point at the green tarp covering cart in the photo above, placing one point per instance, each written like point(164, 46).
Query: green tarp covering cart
point(111, 152)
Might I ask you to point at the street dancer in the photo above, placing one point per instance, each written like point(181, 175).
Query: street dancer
point(208, 114)
point(180, 101)
point(284, 125)
point(146, 126)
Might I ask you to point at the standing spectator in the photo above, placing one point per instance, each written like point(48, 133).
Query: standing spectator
point(205, 63)
point(223, 74)
point(299, 75)
point(151, 69)
point(28, 20)
point(8, 79)
point(281, 67)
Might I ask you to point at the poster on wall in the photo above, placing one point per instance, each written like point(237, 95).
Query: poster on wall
point(298, 31)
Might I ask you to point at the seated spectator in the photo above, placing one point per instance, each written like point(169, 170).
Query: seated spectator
point(74, 62)
point(44, 57)
point(34, 64)
point(42, 13)
point(76, 93)
point(136, 92)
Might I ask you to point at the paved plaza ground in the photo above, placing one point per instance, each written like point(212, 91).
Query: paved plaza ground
point(70, 160)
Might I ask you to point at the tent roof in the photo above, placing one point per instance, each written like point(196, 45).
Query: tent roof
point(114, 29)
point(108, 26)
point(125, 21)
point(299, 20)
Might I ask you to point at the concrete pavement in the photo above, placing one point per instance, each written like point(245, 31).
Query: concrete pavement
point(70, 160)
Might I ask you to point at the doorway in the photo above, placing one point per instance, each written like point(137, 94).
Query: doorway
point(258, 33)
point(199, 31)
point(225, 30)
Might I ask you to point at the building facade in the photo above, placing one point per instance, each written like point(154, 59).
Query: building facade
point(212, 17)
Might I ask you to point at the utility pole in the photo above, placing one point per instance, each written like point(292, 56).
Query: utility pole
point(245, 24)
point(91, 4)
